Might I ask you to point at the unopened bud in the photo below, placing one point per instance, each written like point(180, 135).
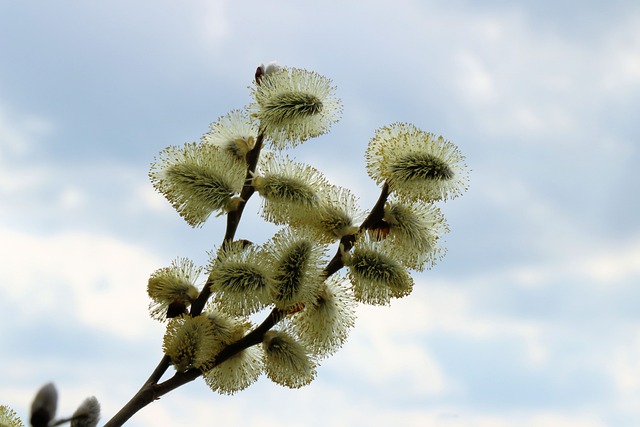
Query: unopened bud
point(87, 414)
point(272, 67)
point(43, 408)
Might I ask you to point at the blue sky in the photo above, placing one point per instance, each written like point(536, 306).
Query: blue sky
point(531, 319)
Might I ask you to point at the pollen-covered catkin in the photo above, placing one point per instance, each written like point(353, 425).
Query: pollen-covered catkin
point(240, 279)
point(286, 361)
point(415, 164)
point(198, 179)
point(293, 105)
point(296, 264)
point(323, 325)
point(376, 276)
point(172, 289)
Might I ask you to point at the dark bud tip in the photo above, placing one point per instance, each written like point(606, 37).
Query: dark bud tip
point(380, 230)
point(245, 243)
point(295, 309)
point(259, 74)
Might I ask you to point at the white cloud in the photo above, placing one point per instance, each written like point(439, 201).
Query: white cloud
point(607, 265)
point(620, 60)
point(625, 366)
point(72, 198)
point(518, 81)
point(18, 140)
point(214, 21)
point(545, 419)
point(98, 278)
point(476, 82)
point(145, 196)
point(443, 306)
point(380, 354)
point(338, 408)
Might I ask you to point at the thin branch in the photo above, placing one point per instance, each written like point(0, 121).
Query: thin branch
point(374, 220)
point(150, 390)
point(142, 398)
point(252, 338)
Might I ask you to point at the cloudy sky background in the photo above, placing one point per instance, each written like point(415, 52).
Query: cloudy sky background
point(531, 319)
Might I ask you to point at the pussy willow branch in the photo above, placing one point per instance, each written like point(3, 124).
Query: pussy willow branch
point(148, 392)
point(252, 338)
point(152, 390)
point(373, 220)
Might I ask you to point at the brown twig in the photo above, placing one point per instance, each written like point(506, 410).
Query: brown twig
point(151, 391)
point(373, 221)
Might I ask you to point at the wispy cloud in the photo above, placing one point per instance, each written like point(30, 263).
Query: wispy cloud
point(529, 321)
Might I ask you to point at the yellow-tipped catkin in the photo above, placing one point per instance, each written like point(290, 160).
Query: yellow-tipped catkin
point(375, 274)
point(417, 165)
point(190, 342)
point(335, 217)
point(236, 373)
point(286, 361)
point(415, 229)
point(240, 280)
point(172, 288)
point(288, 189)
point(226, 329)
point(293, 105)
point(323, 326)
point(296, 264)
point(9, 418)
point(197, 179)
point(234, 133)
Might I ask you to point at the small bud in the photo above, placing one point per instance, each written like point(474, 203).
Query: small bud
point(175, 309)
point(233, 204)
point(272, 67)
point(87, 414)
point(43, 408)
point(259, 73)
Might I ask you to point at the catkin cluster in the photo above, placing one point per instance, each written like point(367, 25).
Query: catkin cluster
point(311, 295)
point(310, 301)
